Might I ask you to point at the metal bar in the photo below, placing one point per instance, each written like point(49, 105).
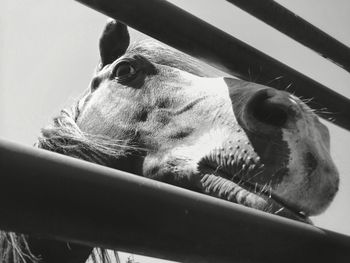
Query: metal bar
point(175, 27)
point(297, 28)
point(56, 196)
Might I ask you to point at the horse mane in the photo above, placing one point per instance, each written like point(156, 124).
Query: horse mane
point(63, 136)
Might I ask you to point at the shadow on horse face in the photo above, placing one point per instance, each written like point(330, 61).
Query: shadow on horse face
point(239, 141)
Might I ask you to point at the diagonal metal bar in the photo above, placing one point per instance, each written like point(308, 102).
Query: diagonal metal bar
point(56, 196)
point(175, 27)
point(297, 28)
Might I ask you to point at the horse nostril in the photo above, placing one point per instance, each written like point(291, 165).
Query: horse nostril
point(270, 107)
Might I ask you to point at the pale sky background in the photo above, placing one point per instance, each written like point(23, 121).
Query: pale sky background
point(48, 51)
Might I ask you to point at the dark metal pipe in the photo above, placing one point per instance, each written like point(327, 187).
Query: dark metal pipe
point(297, 28)
point(175, 27)
point(55, 196)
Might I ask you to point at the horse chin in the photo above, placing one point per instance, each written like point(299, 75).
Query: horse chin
point(217, 184)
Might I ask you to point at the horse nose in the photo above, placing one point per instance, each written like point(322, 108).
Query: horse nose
point(270, 108)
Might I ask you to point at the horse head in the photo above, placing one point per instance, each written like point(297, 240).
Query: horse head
point(174, 122)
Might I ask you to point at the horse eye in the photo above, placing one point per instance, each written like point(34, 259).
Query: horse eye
point(124, 69)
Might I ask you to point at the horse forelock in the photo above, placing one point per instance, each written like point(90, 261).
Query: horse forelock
point(65, 137)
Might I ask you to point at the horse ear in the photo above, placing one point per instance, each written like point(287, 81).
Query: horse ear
point(114, 41)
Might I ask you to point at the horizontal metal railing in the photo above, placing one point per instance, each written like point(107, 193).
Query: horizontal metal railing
point(297, 28)
point(175, 27)
point(56, 196)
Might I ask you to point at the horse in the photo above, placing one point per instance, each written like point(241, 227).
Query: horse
point(155, 112)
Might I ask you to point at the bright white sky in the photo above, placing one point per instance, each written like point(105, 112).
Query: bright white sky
point(48, 51)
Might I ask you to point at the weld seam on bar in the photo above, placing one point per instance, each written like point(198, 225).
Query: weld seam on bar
point(298, 29)
point(56, 196)
point(183, 31)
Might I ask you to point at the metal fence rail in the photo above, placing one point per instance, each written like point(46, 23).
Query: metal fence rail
point(59, 197)
point(297, 28)
point(175, 27)
point(63, 198)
